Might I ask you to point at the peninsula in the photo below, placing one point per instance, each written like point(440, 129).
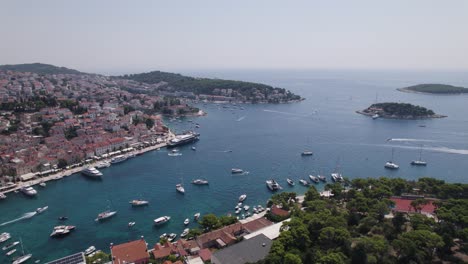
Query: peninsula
point(399, 111)
point(434, 89)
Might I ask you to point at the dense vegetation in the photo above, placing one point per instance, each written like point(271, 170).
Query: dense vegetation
point(38, 68)
point(206, 85)
point(436, 89)
point(403, 109)
point(351, 227)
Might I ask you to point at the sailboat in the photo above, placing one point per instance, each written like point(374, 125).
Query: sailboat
point(24, 257)
point(419, 162)
point(390, 164)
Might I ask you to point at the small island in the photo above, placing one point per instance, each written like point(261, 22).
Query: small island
point(434, 89)
point(399, 111)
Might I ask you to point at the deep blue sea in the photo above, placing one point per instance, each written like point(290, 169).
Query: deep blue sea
point(265, 140)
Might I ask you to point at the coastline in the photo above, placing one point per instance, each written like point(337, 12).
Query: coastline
point(400, 117)
point(405, 90)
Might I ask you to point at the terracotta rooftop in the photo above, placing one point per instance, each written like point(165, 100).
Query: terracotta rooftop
point(205, 254)
point(132, 251)
point(278, 211)
point(404, 205)
point(257, 224)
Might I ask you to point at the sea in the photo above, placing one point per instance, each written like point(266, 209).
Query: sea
point(266, 141)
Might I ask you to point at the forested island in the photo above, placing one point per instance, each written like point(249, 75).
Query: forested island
point(434, 89)
point(399, 111)
point(39, 68)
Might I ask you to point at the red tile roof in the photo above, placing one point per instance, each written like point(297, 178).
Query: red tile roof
point(278, 211)
point(205, 254)
point(404, 205)
point(133, 251)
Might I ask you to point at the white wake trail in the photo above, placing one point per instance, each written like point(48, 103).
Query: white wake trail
point(25, 216)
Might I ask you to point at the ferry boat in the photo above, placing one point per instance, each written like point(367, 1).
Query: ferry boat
point(118, 159)
point(313, 178)
point(28, 190)
point(103, 164)
point(200, 182)
point(304, 182)
point(290, 182)
point(2, 196)
point(183, 139)
point(196, 216)
point(236, 170)
point(11, 245)
point(307, 153)
point(336, 177)
point(161, 220)
point(92, 172)
point(105, 215)
point(273, 185)
point(139, 202)
point(4, 237)
point(242, 197)
point(180, 188)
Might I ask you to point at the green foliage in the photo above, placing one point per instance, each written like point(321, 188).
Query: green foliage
point(436, 89)
point(38, 68)
point(290, 258)
point(403, 109)
point(99, 258)
point(149, 123)
point(417, 245)
point(70, 133)
point(212, 222)
point(62, 163)
point(33, 104)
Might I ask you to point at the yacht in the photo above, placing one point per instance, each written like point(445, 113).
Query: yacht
point(11, 252)
point(273, 185)
point(11, 245)
point(200, 182)
point(313, 178)
point(236, 170)
point(59, 232)
point(419, 162)
point(2, 196)
point(196, 216)
point(103, 164)
point(185, 232)
point(139, 202)
point(186, 221)
point(322, 178)
point(4, 237)
point(183, 139)
point(28, 190)
point(390, 164)
point(304, 182)
point(307, 153)
point(118, 159)
point(105, 215)
point(180, 188)
point(40, 210)
point(91, 172)
point(130, 224)
point(290, 182)
point(70, 228)
point(171, 237)
point(161, 220)
point(336, 177)
point(242, 197)
point(22, 259)
point(90, 250)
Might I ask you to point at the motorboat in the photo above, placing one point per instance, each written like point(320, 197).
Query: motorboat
point(194, 148)
point(322, 178)
point(336, 177)
point(375, 116)
point(59, 232)
point(391, 165)
point(11, 245)
point(174, 153)
point(139, 202)
point(303, 182)
point(171, 237)
point(92, 172)
point(105, 215)
point(180, 188)
point(246, 207)
point(40, 210)
point(103, 164)
point(63, 218)
point(118, 159)
point(163, 236)
point(130, 224)
point(22, 259)
point(273, 185)
point(200, 182)
point(307, 153)
point(196, 216)
point(70, 228)
point(4, 237)
point(90, 250)
point(236, 170)
point(238, 210)
point(42, 184)
point(186, 221)
point(28, 190)
point(185, 232)
point(313, 178)
point(2, 196)
point(11, 252)
point(242, 197)
point(290, 182)
point(162, 220)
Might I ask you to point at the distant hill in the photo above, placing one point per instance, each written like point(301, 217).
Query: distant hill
point(38, 68)
point(250, 91)
point(434, 89)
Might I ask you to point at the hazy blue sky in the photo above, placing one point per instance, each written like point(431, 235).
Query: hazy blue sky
point(130, 36)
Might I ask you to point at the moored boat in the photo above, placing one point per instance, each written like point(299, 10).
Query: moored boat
point(336, 177)
point(186, 221)
point(22, 259)
point(180, 188)
point(196, 216)
point(307, 153)
point(161, 220)
point(103, 164)
point(185, 232)
point(303, 182)
point(242, 197)
point(390, 164)
point(59, 232)
point(28, 190)
point(11, 252)
point(200, 182)
point(118, 159)
point(419, 162)
point(183, 139)
point(171, 237)
point(42, 184)
point(90, 250)
point(246, 207)
point(273, 185)
point(322, 178)
point(105, 215)
point(91, 172)
point(11, 245)
point(313, 178)
point(290, 182)
point(130, 224)
point(236, 170)
point(4, 237)
point(2, 196)
point(139, 202)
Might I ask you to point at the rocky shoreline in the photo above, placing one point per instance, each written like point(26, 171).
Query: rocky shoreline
point(370, 114)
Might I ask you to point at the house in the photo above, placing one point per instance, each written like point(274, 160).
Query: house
point(403, 205)
point(247, 251)
point(275, 210)
point(131, 252)
point(222, 237)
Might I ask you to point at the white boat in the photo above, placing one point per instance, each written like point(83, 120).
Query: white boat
point(186, 221)
point(375, 116)
point(307, 153)
point(238, 210)
point(118, 159)
point(246, 207)
point(236, 170)
point(322, 178)
point(103, 164)
point(242, 197)
point(90, 250)
point(336, 177)
point(171, 237)
point(161, 220)
point(313, 179)
point(28, 190)
point(390, 164)
point(139, 202)
point(290, 182)
point(11, 245)
point(174, 153)
point(2, 196)
point(273, 185)
point(40, 210)
point(42, 184)
point(130, 224)
point(70, 228)
point(105, 215)
point(194, 148)
point(185, 232)
point(196, 216)
point(183, 139)
point(11, 252)
point(59, 232)
point(92, 172)
point(22, 259)
point(303, 182)
point(180, 188)
point(200, 182)
point(4, 237)
point(419, 162)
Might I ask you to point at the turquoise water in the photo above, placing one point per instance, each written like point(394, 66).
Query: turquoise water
point(265, 140)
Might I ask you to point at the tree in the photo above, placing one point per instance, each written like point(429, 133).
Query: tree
point(418, 244)
point(210, 222)
point(311, 194)
point(149, 123)
point(332, 258)
point(418, 204)
point(290, 258)
point(62, 163)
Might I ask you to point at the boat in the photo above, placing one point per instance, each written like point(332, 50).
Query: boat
point(290, 182)
point(28, 190)
point(194, 148)
point(130, 224)
point(200, 182)
point(40, 210)
point(304, 182)
point(139, 202)
point(91, 172)
point(42, 184)
point(4, 237)
point(185, 232)
point(390, 164)
point(186, 221)
point(183, 139)
point(70, 228)
point(246, 207)
point(11, 252)
point(273, 185)
point(90, 250)
point(59, 232)
point(118, 159)
point(307, 153)
point(419, 162)
point(236, 170)
point(322, 178)
point(336, 177)
point(242, 197)
point(103, 164)
point(161, 220)
point(314, 179)
point(375, 116)
point(2, 196)
point(22, 259)
point(171, 237)
point(180, 188)
point(11, 245)
point(196, 216)
point(174, 153)
point(63, 218)
point(238, 210)
point(105, 215)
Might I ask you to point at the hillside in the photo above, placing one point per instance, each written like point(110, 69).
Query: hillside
point(399, 111)
point(38, 68)
point(434, 89)
point(245, 91)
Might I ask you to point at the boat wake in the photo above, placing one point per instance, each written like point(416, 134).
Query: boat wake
point(240, 118)
point(286, 113)
point(174, 154)
point(434, 149)
point(410, 140)
point(25, 216)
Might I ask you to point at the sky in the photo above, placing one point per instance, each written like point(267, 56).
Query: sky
point(113, 36)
